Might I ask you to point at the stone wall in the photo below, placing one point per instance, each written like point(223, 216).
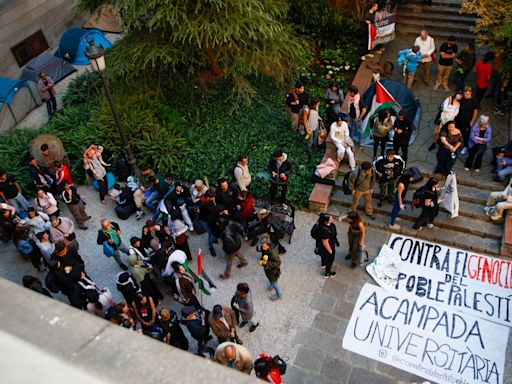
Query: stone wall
point(21, 18)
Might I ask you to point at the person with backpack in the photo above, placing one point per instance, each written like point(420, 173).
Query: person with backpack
point(402, 185)
point(326, 242)
point(427, 198)
point(295, 100)
point(241, 174)
point(410, 58)
point(360, 182)
point(231, 244)
point(388, 169)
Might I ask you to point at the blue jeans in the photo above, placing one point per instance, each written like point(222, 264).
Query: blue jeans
point(396, 209)
point(149, 201)
point(504, 170)
point(276, 288)
point(355, 129)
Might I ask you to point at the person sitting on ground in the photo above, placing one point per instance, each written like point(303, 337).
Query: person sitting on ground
point(340, 136)
point(388, 169)
point(270, 225)
point(498, 202)
point(138, 196)
point(27, 246)
point(11, 193)
point(161, 187)
point(223, 324)
point(234, 356)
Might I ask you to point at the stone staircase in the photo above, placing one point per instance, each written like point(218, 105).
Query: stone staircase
point(442, 19)
point(471, 230)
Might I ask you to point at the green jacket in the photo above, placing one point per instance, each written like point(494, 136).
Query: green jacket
point(273, 266)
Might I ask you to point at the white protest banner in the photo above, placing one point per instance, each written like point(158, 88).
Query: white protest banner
point(385, 29)
point(415, 335)
point(461, 280)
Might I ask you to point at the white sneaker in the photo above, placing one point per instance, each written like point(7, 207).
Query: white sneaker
point(463, 152)
point(394, 227)
point(466, 169)
point(477, 170)
point(430, 225)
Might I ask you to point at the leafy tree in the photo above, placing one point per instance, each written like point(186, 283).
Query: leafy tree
point(214, 38)
point(492, 18)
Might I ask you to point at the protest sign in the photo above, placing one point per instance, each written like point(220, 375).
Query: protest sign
point(462, 280)
point(417, 336)
point(385, 29)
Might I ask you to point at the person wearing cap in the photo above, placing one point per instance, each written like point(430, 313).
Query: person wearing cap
point(168, 321)
point(479, 141)
point(111, 233)
point(340, 136)
point(196, 323)
point(295, 100)
point(271, 263)
point(231, 244)
point(234, 356)
point(280, 168)
point(361, 182)
point(223, 324)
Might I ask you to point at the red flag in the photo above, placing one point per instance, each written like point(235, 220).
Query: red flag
point(372, 33)
point(199, 262)
point(382, 95)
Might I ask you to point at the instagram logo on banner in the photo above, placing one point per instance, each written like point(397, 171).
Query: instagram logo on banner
point(383, 353)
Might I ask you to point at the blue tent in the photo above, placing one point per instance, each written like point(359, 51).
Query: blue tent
point(405, 100)
point(17, 98)
point(74, 42)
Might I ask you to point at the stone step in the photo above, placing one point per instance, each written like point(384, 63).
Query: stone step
point(434, 27)
point(435, 3)
point(412, 8)
point(462, 224)
point(489, 246)
point(405, 30)
point(429, 19)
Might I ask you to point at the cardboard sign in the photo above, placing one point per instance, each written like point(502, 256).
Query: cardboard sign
point(416, 335)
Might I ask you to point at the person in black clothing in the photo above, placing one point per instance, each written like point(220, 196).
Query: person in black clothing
point(33, 283)
point(111, 233)
point(67, 256)
point(447, 53)
point(231, 244)
point(170, 324)
point(388, 169)
point(40, 176)
point(270, 225)
point(128, 286)
point(145, 310)
point(75, 204)
point(429, 205)
point(295, 100)
point(196, 323)
point(7, 225)
point(280, 168)
point(402, 137)
point(180, 199)
point(154, 231)
point(327, 242)
point(226, 196)
point(466, 118)
point(66, 278)
point(208, 217)
point(369, 19)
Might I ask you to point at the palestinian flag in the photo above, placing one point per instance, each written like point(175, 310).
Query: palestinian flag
point(372, 34)
point(381, 100)
point(204, 282)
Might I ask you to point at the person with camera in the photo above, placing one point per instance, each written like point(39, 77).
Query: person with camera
point(280, 168)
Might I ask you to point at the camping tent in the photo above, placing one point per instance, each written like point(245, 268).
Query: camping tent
point(75, 41)
point(17, 99)
point(105, 18)
point(405, 100)
point(54, 67)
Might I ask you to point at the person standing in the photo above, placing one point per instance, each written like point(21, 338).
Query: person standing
point(223, 324)
point(334, 99)
point(39, 175)
point(295, 100)
point(402, 136)
point(447, 53)
point(242, 303)
point(429, 205)
point(280, 168)
point(271, 263)
point(356, 236)
point(356, 113)
point(327, 242)
point(388, 169)
point(46, 87)
point(402, 185)
point(75, 204)
point(450, 141)
point(94, 163)
point(231, 244)
point(340, 136)
point(63, 229)
point(234, 356)
point(369, 20)
point(110, 233)
point(360, 182)
point(173, 334)
point(242, 174)
point(184, 283)
point(448, 112)
point(382, 124)
point(483, 70)
point(412, 59)
point(10, 192)
point(46, 203)
point(465, 62)
point(311, 121)
point(427, 48)
point(466, 117)
point(479, 141)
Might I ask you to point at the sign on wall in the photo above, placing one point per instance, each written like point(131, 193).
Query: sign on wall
point(416, 335)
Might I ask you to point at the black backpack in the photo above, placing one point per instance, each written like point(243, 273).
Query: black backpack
point(314, 231)
point(232, 172)
point(344, 184)
point(264, 364)
point(50, 283)
point(418, 198)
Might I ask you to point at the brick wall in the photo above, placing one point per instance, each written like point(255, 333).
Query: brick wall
point(21, 18)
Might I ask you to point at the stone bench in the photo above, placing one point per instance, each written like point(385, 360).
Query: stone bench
point(320, 196)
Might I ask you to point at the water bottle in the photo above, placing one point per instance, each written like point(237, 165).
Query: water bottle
point(453, 155)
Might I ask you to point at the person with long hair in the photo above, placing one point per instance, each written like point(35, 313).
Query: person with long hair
point(356, 236)
point(450, 141)
point(380, 132)
point(447, 112)
point(402, 185)
point(403, 130)
point(429, 204)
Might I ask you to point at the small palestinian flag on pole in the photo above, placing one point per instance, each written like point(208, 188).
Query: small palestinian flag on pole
point(204, 282)
point(372, 34)
point(381, 100)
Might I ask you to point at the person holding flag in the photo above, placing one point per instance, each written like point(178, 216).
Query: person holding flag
point(382, 100)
